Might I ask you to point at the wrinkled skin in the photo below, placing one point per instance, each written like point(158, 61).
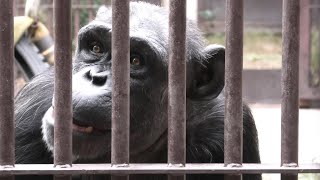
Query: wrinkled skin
point(91, 98)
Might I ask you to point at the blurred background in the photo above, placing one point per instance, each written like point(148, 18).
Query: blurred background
point(262, 63)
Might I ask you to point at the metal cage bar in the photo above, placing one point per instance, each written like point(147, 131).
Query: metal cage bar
point(176, 110)
point(177, 86)
point(120, 85)
point(233, 86)
point(76, 19)
point(62, 86)
point(305, 91)
point(91, 11)
point(6, 87)
point(200, 168)
point(290, 86)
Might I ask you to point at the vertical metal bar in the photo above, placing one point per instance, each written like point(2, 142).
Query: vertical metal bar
point(6, 86)
point(233, 129)
point(20, 8)
point(62, 88)
point(120, 85)
point(76, 18)
point(305, 90)
point(177, 86)
point(49, 16)
point(290, 85)
point(107, 2)
point(14, 7)
point(91, 10)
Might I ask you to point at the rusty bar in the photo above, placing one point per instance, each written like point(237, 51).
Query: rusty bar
point(177, 86)
point(233, 128)
point(62, 88)
point(290, 85)
point(203, 168)
point(120, 85)
point(6, 86)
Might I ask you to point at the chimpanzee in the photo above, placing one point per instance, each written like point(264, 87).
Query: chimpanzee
point(91, 97)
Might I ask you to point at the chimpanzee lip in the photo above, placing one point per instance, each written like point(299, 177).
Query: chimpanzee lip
point(83, 127)
point(87, 128)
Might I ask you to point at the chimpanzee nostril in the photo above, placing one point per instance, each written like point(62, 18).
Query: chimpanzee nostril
point(97, 78)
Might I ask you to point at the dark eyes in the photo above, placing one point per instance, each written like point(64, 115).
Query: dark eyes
point(96, 48)
point(136, 60)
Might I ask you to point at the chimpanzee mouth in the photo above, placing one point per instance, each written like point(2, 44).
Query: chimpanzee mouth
point(78, 126)
point(83, 129)
point(88, 129)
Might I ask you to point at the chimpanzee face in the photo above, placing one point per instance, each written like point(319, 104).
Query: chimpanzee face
point(92, 84)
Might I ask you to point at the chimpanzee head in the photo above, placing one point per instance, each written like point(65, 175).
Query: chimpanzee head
point(92, 86)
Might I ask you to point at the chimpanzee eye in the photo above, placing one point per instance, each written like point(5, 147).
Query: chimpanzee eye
point(95, 48)
point(136, 60)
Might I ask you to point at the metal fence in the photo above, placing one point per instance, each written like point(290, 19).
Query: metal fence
point(177, 166)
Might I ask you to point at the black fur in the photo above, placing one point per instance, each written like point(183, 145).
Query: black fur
point(148, 101)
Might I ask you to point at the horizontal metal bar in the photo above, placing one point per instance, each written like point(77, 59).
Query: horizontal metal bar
point(39, 169)
point(74, 6)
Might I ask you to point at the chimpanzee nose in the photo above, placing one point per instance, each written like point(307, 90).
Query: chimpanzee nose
point(97, 77)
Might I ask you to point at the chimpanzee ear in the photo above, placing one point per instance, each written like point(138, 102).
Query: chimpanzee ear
point(208, 75)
